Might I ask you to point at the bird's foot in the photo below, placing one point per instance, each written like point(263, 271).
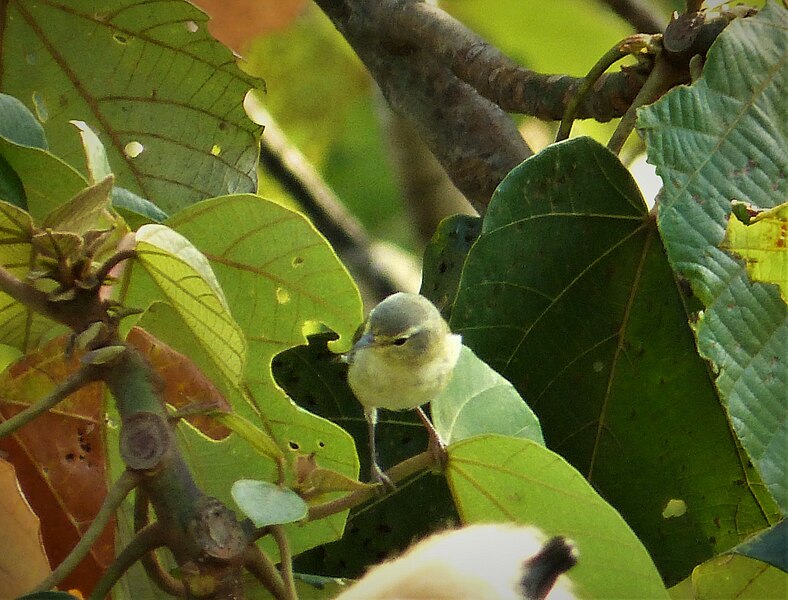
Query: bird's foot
point(377, 475)
point(436, 448)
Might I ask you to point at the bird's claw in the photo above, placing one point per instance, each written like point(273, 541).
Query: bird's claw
point(378, 476)
point(437, 451)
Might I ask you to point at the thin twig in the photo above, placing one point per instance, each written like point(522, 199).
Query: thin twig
point(145, 541)
point(86, 374)
point(258, 564)
point(115, 495)
point(25, 293)
point(622, 49)
point(398, 472)
point(347, 235)
point(662, 78)
point(285, 560)
point(150, 562)
point(642, 16)
point(103, 271)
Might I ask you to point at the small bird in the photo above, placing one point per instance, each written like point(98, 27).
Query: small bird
point(403, 359)
point(492, 561)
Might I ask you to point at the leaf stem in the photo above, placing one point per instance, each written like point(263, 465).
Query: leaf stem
point(285, 561)
point(662, 78)
point(620, 50)
point(145, 541)
point(258, 564)
point(77, 380)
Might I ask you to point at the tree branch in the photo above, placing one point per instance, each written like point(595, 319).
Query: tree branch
point(475, 141)
point(642, 16)
point(77, 380)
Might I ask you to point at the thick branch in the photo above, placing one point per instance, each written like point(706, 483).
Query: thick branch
point(475, 141)
point(496, 76)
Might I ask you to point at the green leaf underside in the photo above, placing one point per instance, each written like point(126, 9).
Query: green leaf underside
point(478, 400)
point(719, 140)
point(19, 326)
point(191, 149)
point(170, 269)
point(18, 125)
point(567, 293)
point(496, 478)
point(268, 504)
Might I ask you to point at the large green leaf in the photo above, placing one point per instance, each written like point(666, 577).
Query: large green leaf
point(279, 276)
point(719, 140)
point(141, 74)
point(496, 478)
point(568, 294)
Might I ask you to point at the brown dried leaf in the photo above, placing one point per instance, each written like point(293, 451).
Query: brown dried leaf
point(184, 384)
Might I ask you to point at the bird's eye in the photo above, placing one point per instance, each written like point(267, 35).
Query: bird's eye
point(400, 341)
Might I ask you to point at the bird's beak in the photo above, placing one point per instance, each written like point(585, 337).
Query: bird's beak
point(364, 341)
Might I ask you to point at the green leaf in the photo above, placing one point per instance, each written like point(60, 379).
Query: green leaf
point(769, 546)
point(154, 80)
point(136, 211)
point(279, 276)
point(47, 180)
point(496, 478)
point(254, 436)
point(170, 269)
point(733, 576)
point(18, 125)
point(19, 326)
point(568, 294)
point(85, 211)
point(719, 140)
point(477, 401)
point(268, 504)
point(761, 242)
point(444, 258)
point(95, 154)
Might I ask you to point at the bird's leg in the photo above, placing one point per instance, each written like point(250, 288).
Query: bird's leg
point(436, 446)
point(376, 473)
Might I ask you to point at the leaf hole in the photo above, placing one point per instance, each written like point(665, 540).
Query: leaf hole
point(120, 38)
point(298, 261)
point(321, 444)
point(191, 26)
point(674, 508)
point(216, 150)
point(40, 107)
point(133, 149)
point(282, 295)
point(294, 445)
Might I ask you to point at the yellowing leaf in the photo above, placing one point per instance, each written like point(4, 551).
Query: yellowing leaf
point(763, 244)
